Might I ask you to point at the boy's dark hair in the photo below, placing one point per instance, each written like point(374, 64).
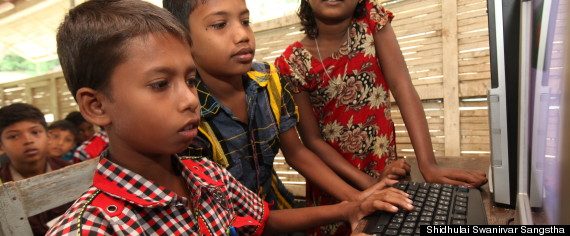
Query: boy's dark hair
point(17, 112)
point(93, 38)
point(75, 118)
point(181, 9)
point(64, 125)
point(309, 24)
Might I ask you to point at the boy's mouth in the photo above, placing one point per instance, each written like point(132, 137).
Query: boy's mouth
point(31, 151)
point(244, 55)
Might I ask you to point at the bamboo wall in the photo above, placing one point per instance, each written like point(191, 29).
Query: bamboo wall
point(453, 90)
point(444, 42)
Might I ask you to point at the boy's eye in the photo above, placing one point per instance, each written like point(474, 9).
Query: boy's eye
point(36, 132)
point(218, 25)
point(159, 85)
point(191, 82)
point(12, 137)
point(246, 22)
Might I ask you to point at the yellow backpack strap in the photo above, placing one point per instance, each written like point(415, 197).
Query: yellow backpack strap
point(217, 151)
point(273, 83)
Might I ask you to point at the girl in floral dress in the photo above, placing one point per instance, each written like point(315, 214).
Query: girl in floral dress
point(341, 73)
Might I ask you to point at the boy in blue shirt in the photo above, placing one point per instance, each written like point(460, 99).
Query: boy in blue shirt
point(248, 112)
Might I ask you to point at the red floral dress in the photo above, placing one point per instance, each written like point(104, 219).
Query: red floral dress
point(351, 102)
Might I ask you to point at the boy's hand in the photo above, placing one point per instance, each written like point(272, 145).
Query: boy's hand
point(396, 169)
point(387, 199)
point(470, 178)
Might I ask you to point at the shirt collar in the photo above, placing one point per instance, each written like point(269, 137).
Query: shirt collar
point(210, 104)
point(132, 187)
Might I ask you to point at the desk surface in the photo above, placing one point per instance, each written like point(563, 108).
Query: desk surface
point(496, 215)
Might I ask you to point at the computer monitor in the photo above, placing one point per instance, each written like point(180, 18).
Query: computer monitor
point(503, 99)
point(528, 113)
point(543, 151)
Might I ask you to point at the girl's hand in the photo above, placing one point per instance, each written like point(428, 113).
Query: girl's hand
point(396, 169)
point(470, 178)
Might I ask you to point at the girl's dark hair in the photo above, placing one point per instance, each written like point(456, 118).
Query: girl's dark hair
point(94, 38)
point(17, 112)
point(309, 24)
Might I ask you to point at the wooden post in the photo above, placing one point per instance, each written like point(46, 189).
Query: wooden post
point(450, 78)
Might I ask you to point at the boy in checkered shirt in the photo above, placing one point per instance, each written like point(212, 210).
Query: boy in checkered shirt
point(128, 64)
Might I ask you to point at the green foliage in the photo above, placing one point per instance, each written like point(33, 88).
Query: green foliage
point(14, 62)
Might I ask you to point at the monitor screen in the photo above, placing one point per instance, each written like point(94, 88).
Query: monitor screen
point(546, 109)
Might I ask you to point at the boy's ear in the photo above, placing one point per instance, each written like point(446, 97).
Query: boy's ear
point(91, 106)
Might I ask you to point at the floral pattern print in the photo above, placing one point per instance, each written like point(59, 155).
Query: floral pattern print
point(350, 101)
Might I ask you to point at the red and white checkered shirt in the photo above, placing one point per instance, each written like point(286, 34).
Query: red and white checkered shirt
point(91, 147)
point(121, 202)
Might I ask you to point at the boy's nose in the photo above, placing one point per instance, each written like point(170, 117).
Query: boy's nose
point(189, 99)
point(28, 138)
point(241, 34)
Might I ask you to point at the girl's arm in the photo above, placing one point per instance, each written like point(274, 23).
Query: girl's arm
point(311, 137)
point(311, 167)
point(291, 220)
point(396, 73)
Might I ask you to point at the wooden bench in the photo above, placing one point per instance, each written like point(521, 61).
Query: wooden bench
point(28, 197)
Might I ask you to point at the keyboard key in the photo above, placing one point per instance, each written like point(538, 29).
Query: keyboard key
point(439, 222)
point(461, 199)
point(376, 229)
point(394, 225)
point(441, 207)
point(409, 224)
point(426, 213)
point(460, 210)
point(414, 186)
point(462, 188)
point(405, 231)
point(459, 217)
point(414, 213)
point(391, 232)
point(411, 218)
point(461, 194)
point(458, 222)
point(440, 217)
point(398, 219)
point(426, 218)
point(436, 186)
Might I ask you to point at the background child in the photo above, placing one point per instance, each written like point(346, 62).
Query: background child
point(24, 140)
point(341, 73)
point(245, 108)
point(85, 129)
point(129, 66)
point(62, 138)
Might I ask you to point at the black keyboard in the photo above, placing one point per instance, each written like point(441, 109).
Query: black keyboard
point(434, 204)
